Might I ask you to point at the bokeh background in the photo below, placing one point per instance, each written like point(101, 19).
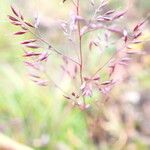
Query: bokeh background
point(36, 116)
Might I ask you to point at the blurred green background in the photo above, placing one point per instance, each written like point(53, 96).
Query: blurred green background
point(34, 115)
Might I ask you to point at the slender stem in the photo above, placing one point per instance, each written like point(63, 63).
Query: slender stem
point(81, 62)
point(80, 44)
point(80, 48)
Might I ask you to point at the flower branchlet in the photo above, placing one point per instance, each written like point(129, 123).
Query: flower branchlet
point(35, 56)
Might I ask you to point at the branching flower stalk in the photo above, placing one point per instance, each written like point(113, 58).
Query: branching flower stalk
point(80, 48)
point(101, 20)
